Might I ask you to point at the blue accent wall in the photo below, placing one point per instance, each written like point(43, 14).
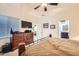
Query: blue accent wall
point(6, 23)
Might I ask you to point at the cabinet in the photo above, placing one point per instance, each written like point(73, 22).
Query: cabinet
point(64, 35)
point(21, 37)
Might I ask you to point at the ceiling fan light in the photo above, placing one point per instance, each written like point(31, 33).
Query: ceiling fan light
point(44, 4)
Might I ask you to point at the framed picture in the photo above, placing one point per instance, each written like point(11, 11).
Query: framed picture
point(52, 26)
point(45, 25)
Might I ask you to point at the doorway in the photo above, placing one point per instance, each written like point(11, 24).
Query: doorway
point(64, 29)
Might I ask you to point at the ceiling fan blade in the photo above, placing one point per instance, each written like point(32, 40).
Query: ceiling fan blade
point(45, 8)
point(53, 4)
point(37, 7)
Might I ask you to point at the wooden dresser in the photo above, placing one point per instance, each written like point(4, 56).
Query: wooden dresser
point(21, 37)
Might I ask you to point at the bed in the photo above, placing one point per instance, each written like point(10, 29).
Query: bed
point(54, 47)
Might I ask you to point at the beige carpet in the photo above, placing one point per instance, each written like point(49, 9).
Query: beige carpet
point(54, 47)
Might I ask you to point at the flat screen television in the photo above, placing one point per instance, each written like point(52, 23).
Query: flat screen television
point(25, 24)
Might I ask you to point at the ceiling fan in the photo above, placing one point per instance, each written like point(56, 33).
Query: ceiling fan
point(45, 5)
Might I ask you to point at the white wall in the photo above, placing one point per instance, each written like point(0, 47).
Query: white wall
point(47, 31)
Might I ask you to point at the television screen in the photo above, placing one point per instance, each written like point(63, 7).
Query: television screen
point(25, 24)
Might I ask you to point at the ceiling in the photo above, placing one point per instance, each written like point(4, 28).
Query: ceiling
point(26, 10)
